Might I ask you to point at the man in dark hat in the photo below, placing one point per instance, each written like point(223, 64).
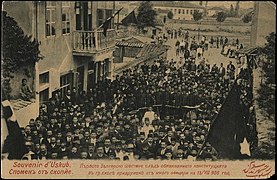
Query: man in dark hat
point(168, 154)
point(74, 153)
point(162, 149)
point(100, 153)
point(140, 141)
point(209, 153)
point(221, 70)
point(84, 153)
point(107, 147)
point(145, 153)
point(91, 150)
point(152, 146)
point(179, 155)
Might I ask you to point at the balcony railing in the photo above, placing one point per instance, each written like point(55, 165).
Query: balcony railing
point(93, 41)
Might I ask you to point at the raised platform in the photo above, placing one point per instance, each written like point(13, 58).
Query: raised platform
point(25, 110)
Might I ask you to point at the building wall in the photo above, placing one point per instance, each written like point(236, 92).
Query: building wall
point(26, 72)
point(180, 12)
point(57, 49)
point(264, 22)
point(131, 51)
point(213, 12)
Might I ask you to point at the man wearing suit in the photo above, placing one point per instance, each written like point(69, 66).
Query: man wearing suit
point(221, 70)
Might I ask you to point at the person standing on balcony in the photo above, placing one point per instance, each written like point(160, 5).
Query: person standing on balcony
point(25, 91)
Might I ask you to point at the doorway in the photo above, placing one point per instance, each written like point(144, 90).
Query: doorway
point(80, 78)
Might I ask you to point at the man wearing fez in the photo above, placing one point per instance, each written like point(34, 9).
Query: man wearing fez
point(140, 141)
point(146, 127)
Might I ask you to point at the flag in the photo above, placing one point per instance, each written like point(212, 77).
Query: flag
point(107, 23)
point(14, 143)
point(130, 19)
point(106, 26)
point(229, 128)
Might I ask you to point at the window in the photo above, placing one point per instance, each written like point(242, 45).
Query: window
point(191, 11)
point(183, 11)
point(103, 15)
point(187, 11)
point(65, 17)
point(100, 16)
point(44, 78)
point(65, 83)
point(109, 13)
point(50, 18)
point(65, 4)
point(179, 11)
point(44, 96)
point(175, 11)
point(89, 15)
point(78, 15)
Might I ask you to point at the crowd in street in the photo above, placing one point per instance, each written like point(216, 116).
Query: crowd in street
point(158, 111)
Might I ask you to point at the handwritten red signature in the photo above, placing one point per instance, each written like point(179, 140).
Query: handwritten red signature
point(254, 170)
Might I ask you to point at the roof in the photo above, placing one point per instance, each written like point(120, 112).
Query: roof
point(180, 4)
point(149, 49)
point(216, 9)
point(162, 11)
point(248, 50)
point(129, 44)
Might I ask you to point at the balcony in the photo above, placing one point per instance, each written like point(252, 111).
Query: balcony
point(93, 42)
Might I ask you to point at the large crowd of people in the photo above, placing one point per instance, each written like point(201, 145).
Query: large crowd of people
point(159, 111)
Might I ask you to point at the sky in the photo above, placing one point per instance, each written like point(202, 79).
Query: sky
point(227, 4)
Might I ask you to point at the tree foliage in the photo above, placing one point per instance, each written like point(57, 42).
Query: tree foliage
point(269, 62)
point(221, 16)
point(170, 15)
point(247, 18)
point(146, 14)
point(18, 50)
point(266, 92)
point(197, 16)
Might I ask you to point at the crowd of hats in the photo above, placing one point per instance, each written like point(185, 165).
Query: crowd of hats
point(98, 124)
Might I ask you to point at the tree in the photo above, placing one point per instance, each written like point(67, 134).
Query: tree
point(170, 15)
point(221, 16)
point(266, 99)
point(146, 14)
point(197, 16)
point(247, 18)
point(19, 50)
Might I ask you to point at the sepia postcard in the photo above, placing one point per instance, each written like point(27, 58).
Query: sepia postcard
point(138, 89)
